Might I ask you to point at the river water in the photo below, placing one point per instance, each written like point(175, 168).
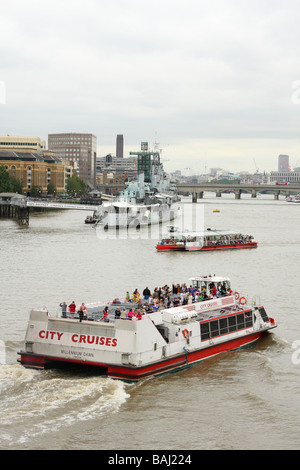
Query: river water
point(239, 400)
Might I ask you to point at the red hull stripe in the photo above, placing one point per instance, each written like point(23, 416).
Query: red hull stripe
point(27, 359)
point(132, 373)
point(205, 248)
point(31, 360)
point(170, 248)
point(226, 247)
point(129, 373)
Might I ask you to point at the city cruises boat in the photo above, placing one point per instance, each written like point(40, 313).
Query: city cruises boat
point(150, 198)
point(295, 198)
point(207, 240)
point(139, 345)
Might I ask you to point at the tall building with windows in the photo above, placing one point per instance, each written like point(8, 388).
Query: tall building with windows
point(81, 149)
point(283, 163)
point(120, 146)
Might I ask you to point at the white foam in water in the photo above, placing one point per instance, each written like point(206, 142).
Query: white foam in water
point(2, 353)
point(13, 374)
point(52, 403)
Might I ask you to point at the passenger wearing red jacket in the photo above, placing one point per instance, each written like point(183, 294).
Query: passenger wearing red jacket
point(72, 307)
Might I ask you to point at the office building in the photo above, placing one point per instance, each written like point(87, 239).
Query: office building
point(115, 164)
point(79, 148)
point(17, 143)
point(36, 170)
point(283, 163)
point(120, 146)
point(290, 177)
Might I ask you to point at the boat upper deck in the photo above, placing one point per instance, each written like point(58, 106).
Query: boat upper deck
point(206, 297)
point(197, 311)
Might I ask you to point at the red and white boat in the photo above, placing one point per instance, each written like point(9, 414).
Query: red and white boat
point(207, 240)
point(160, 342)
point(294, 198)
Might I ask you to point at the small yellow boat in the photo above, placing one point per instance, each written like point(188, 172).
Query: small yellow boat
point(216, 210)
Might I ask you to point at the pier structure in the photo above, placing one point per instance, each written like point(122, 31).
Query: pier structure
point(13, 206)
point(198, 189)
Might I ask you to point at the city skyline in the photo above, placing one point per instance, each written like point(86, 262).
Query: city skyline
point(189, 170)
point(215, 84)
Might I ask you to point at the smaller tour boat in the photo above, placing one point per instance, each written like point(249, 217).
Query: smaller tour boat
point(91, 219)
point(207, 240)
point(295, 198)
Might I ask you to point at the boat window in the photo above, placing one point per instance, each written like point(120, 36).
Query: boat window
point(263, 314)
point(164, 331)
point(232, 323)
point(249, 319)
point(201, 285)
point(225, 325)
point(204, 329)
point(241, 321)
point(214, 328)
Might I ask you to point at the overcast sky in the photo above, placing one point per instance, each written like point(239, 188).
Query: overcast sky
point(216, 83)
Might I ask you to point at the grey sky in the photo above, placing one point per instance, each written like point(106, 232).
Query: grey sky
point(211, 81)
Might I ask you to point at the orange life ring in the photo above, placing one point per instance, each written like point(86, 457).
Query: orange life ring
point(243, 300)
point(237, 295)
point(185, 333)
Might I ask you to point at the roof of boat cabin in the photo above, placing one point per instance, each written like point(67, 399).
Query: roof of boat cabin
point(210, 278)
point(200, 233)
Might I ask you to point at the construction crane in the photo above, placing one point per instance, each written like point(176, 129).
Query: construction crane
point(257, 169)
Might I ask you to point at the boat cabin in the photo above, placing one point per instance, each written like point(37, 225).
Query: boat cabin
point(215, 237)
point(206, 284)
point(206, 240)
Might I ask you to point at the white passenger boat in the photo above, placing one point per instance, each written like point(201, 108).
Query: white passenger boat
point(295, 198)
point(150, 344)
point(206, 240)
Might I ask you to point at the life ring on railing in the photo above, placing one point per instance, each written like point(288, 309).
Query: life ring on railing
point(185, 333)
point(243, 300)
point(237, 295)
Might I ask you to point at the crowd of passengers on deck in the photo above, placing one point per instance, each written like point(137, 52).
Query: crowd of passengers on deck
point(237, 239)
point(159, 299)
point(230, 240)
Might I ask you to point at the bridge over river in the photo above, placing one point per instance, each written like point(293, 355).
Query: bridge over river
point(61, 205)
point(17, 206)
point(198, 189)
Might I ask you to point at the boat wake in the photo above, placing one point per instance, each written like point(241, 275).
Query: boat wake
point(50, 402)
